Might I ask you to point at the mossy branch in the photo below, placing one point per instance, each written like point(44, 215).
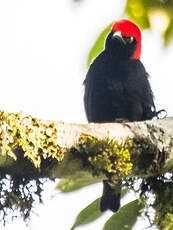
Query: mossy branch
point(31, 149)
point(49, 149)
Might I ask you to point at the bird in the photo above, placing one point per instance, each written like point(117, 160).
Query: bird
point(117, 89)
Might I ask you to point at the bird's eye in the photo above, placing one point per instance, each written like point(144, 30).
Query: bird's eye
point(131, 39)
point(117, 33)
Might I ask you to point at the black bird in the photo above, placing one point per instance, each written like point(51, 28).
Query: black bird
point(117, 89)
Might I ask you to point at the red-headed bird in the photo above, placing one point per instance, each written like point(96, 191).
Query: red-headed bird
point(117, 89)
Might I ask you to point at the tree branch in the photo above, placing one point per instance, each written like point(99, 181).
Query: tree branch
point(44, 148)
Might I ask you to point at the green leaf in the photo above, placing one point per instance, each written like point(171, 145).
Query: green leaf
point(126, 217)
point(72, 184)
point(88, 214)
point(98, 46)
point(168, 35)
point(137, 11)
point(92, 212)
point(140, 12)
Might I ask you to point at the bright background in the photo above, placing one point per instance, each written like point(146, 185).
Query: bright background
point(43, 52)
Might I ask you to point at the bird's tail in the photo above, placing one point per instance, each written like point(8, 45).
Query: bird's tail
point(110, 198)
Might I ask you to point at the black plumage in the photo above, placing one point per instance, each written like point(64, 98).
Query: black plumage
point(117, 89)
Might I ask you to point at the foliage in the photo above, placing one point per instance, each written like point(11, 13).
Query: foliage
point(131, 210)
point(89, 214)
point(154, 14)
point(98, 46)
point(76, 182)
point(160, 187)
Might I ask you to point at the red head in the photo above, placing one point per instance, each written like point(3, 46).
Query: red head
point(129, 29)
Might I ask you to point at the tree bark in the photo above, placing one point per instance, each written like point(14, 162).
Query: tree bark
point(153, 138)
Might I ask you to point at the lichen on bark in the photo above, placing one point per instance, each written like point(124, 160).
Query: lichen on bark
point(36, 138)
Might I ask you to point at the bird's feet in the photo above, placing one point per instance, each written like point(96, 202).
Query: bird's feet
point(121, 120)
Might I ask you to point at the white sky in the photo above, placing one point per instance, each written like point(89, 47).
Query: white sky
point(43, 51)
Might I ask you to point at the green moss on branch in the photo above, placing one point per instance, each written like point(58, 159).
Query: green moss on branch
point(104, 155)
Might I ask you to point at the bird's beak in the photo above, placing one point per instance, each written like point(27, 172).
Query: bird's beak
point(118, 35)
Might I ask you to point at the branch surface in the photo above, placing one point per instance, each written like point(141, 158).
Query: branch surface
point(36, 147)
